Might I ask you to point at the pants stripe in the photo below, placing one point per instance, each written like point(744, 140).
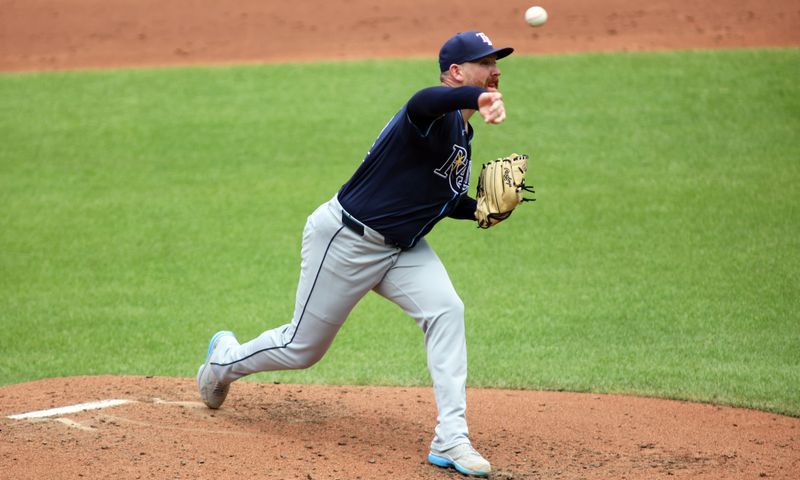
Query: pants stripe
point(300, 320)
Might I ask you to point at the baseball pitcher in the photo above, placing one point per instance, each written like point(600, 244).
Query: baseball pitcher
point(371, 236)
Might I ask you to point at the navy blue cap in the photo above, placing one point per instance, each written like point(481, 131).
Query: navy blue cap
point(468, 47)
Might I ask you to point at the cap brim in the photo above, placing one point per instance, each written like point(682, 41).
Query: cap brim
point(500, 52)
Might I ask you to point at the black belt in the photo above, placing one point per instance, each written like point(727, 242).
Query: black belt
point(358, 228)
point(352, 224)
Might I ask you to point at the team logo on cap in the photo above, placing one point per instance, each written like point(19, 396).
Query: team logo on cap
point(485, 38)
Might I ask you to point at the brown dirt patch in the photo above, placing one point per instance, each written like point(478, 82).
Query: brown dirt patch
point(54, 34)
point(319, 432)
point(322, 432)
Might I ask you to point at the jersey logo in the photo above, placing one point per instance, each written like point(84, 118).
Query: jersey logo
point(456, 170)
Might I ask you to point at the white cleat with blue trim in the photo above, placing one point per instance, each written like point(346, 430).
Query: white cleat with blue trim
point(212, 391)
point(463, 458)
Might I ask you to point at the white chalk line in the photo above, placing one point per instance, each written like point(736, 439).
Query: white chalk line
point(81, 407)
point(186, 404)
point(45, 415)
point(52, 412)
point(73, 424)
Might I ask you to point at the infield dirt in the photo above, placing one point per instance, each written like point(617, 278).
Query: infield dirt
point(326, 432)
point(53, 34)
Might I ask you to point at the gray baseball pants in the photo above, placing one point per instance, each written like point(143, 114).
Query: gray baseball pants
point(339, 266)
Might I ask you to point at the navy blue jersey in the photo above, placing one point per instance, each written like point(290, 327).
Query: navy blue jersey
point(417, 171)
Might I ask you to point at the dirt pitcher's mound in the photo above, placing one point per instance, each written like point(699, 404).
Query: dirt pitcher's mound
point(321, 432)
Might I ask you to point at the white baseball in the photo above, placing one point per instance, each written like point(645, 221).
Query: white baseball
point(536, 16)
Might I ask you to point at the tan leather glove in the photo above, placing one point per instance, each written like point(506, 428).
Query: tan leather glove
point(500, 186)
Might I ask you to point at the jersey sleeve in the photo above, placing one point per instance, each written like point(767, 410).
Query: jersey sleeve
point(431, 103)
point(465, 209)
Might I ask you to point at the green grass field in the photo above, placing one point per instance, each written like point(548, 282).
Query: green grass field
point(142, 210)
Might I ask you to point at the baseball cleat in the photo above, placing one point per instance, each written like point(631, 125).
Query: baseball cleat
point(212, 391)
point(463, 458)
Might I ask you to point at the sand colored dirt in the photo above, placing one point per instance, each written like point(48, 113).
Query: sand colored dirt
point(305, 432)
point(324, 432)
point(57, 34)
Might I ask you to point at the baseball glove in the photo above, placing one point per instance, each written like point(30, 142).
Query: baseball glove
point(500, 187)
